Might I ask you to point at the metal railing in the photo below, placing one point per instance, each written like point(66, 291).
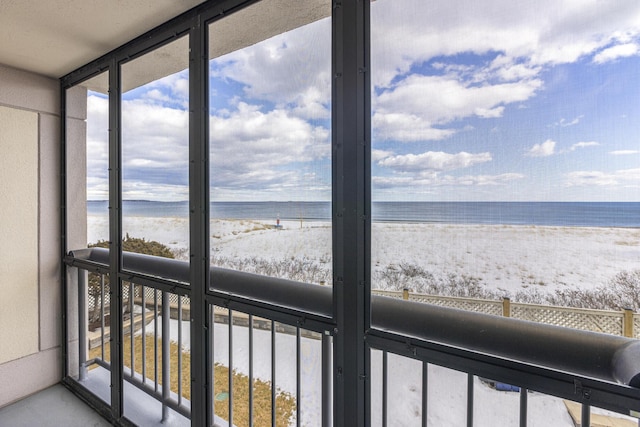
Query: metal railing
point(593, 369)
point(596, 370)
point(150, 312)
point(147, 340)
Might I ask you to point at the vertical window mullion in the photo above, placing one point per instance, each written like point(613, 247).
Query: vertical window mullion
point(115, 237)
point(199, 221)
point(351, 219)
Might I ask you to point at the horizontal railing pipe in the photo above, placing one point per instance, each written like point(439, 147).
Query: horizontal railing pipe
point(308, 298)
point(606, 357)
point(601, 356)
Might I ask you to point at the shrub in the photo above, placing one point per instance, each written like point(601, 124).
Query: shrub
point(302, 269)
point(139, 245)
point(129, 244)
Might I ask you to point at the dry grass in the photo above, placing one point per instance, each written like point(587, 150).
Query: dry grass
point(285, 403)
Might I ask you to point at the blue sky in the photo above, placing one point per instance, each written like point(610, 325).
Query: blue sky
point(503, 100)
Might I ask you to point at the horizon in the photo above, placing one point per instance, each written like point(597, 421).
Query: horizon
point(380, 201)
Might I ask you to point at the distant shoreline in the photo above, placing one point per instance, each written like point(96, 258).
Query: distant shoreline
point(580, 214)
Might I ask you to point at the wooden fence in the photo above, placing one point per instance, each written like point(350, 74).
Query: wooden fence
point(624, 323)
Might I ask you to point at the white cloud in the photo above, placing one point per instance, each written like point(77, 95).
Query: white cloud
point(545, 149)
point(589, 178)
point(482, 180)
point(144, 190)
point(528, 34)
point(273, 150)
point(281, 145)
point(507, 69)
point(548, 148)
point(97, 148)
point(566, 123)
point(291, 70)
point(626, 177)
point(155, 135)
point(624, 152)
point(403, 127)
point(155, 151)
point(487, 113)
point(577, 145)
point(518, 42)
point(171, 91)
point(377, 155)
point(411, 109)
point(433, 161)
point(615, 52)
point(436, 180)
point(441, 99)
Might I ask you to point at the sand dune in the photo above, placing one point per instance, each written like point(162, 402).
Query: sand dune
point(509, 258)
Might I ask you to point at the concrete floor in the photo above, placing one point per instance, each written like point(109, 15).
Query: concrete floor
point(53, 407)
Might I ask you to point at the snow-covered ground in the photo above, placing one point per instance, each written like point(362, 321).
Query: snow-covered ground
point(447, 389)
point(505, 257)
point(509, 258)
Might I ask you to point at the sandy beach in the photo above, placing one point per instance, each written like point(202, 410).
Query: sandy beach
point(506, 258)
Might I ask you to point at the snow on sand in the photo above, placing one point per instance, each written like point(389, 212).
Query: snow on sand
point(509, 258)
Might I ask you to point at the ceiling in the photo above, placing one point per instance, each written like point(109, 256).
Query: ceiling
point(54, 37)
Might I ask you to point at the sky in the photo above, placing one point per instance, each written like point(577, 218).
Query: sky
point(491, 101)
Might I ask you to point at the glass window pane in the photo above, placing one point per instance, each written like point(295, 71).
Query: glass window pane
point(155, 152)
point(270, 141)
point(505, 155)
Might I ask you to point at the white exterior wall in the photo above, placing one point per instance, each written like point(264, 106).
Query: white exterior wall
point(30, 265)
point(19, 231)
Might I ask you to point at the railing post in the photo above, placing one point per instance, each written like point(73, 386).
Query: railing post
point(327, 375)
point(585, 419)
point(506, 307)
point(82, 324)
point(405, 294)
point(627, 324)
point(523, 407)
point(166, 355)
point(470, 400)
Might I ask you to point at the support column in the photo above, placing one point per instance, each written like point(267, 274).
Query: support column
point(351, 212)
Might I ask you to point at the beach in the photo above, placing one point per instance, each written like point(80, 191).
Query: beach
point(506, 258)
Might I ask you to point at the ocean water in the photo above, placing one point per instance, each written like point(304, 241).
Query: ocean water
point(583, 214)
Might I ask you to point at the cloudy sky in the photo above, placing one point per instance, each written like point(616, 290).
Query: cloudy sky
point(493, 100)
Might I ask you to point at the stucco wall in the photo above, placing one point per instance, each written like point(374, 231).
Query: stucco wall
point(30, 267)
point(19, 231)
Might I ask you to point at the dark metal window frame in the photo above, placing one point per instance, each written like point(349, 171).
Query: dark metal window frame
point(350, 122)
point(350, 319)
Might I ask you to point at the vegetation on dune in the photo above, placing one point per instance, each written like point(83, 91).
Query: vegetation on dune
point(303, 269)
point(139, 245)
point(129, 244)
point(622, 291)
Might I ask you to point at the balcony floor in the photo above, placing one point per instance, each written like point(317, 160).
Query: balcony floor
point(55, 406)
